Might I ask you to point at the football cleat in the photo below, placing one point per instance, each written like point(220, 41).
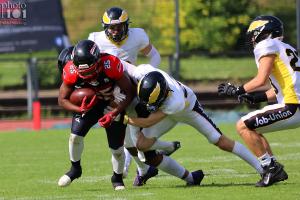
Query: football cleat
point(176, 145)
point(272, 174)
point(197, 176)
point(117, 181)
point(141, 180)
point(67, 178)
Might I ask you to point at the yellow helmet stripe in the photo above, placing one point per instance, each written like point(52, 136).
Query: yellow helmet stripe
point(154, 94)
point(105, 18)
point(254, 25)
point(124, 16)
point(138, 87)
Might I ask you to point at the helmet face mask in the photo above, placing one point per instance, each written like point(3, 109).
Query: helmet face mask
point(86, 58)
point(115, 22)
point(152, 90)
point(264, 27)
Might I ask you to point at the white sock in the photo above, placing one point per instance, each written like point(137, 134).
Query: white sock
point(75, 147)
point(241, 151)
point(265, 159)
point(162, 145)
point(142, 167)
point(127, 159)
point(170, 166)
point(118, 160)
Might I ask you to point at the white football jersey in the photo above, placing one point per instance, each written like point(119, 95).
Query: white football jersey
point(177, 100)
point(128, 49)
point(285, 76)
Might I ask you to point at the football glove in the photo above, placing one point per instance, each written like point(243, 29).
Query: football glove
point(227, 89)
point(107, 119)
point(87, 106)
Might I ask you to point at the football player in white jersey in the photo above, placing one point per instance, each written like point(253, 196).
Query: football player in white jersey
point(126, 43)
point(119, 40)
point(170, 102)
point(278, 62)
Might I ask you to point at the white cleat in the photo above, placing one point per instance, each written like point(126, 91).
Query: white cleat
point(120, 187)
point(64, 181)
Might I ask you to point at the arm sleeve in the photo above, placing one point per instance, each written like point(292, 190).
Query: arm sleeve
point(154, 56)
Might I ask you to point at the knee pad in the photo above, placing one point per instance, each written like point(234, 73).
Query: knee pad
point(75, 139)
point(153, 158)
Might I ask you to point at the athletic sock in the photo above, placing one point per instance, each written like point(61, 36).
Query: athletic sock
point(170, 166)
point(241, 151)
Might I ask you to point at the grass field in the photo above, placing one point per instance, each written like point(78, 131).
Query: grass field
point(32, 162)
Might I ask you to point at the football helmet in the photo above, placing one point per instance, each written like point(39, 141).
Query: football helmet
point(86, 58)
point(115, 22)
point(152, 90)
point(64, 56)
point(263, 27)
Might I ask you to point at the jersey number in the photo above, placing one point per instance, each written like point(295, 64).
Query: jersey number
point(294, 60)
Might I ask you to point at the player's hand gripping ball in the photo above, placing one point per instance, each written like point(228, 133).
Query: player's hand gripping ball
point(78, 94)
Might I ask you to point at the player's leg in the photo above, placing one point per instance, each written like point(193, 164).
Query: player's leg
point(199, 120)
point(115, 136)
point(271, 118)
point(170, 166)
point(79, 128)
point(144, 171)
point(148, 138)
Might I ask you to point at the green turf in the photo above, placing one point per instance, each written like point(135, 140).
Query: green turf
point(32, 162)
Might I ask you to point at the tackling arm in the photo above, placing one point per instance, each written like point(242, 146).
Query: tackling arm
point(152, 119)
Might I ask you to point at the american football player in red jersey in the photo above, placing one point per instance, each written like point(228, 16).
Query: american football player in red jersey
point(102, 72)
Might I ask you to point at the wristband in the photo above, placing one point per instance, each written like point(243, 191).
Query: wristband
point(260, 97)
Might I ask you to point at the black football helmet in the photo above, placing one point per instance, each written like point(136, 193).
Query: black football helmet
point(86, 58)
point(152, 90)
point(115, 22)
point(64, 56)
point(263, 27)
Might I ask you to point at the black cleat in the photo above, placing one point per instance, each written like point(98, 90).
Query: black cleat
point(197, 176)
point(117, 181)
point(272, 174)
point(141, 180)
point(66, 179)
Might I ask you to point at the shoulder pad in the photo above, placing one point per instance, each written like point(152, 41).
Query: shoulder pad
point(112, 66)
point(70, 75)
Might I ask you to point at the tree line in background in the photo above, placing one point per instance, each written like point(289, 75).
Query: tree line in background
point(213, 26)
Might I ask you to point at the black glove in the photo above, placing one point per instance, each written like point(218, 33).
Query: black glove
point(227, 89)
point(253, 98)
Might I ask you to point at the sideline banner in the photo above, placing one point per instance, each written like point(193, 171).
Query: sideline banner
point(31, 25)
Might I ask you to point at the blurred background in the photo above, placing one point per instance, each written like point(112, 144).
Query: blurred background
point(206, 48)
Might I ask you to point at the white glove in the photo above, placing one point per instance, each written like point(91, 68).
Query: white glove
point(119, 96)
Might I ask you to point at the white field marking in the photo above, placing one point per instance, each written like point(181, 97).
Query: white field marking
point(86, 179)
point(209, 160)
point(283, 145)
point(231, 158)
point(79, 197)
